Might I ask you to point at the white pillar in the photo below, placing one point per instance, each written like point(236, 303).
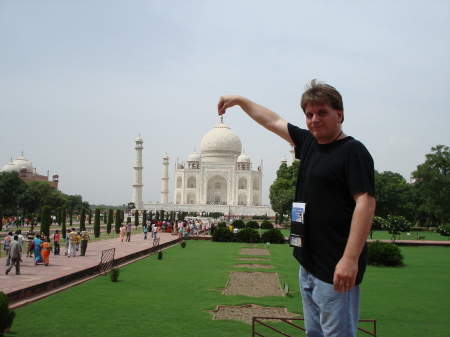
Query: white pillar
point(137, 181)
point(165, 181)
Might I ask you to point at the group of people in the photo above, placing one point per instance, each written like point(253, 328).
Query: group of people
point(39, 246)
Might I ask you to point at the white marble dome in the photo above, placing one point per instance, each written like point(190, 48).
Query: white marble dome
point(221, 140)
point(23, 162)
point(194, 156)
point(10, 167)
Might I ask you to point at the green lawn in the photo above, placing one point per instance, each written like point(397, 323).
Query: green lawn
point(172, 296)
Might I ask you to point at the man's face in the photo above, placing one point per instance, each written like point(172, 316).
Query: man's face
point(323, 122)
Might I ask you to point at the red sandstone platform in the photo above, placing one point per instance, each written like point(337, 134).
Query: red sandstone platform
point(64, 271)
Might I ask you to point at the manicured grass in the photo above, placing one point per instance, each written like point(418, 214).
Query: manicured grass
point(172, 296)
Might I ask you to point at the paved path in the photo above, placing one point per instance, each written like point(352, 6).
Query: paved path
point(32, 275)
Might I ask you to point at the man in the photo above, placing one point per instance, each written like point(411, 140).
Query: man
point(6, 247)
point(336, 181)
point(73, 239)
point(84, 241)
point(146, 226)
point(14, 252)
point(20, 239)
point(128, 229)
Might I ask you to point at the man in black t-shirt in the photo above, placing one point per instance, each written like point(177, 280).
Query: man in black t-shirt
point(336, 181)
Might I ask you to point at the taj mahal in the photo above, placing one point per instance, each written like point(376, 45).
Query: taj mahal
point(221, 178)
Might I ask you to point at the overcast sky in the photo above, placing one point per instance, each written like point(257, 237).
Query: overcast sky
point(80, 80)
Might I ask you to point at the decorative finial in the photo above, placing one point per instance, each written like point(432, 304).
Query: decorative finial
point(221, 119)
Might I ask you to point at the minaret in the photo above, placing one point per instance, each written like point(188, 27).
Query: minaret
point(137, 181)
point(165, 181)
point(292, 154)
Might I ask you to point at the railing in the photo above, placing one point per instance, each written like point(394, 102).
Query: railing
point(259, 320)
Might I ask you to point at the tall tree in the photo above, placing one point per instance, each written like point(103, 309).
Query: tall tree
point(11, 186)
point(63, 224)
point(110, 220)
point(46, 220)
point(394, 196)
point(97, 223)
point(29, 201)
point(82, 219)
point(433, 183)
point(282, 191)
point(118, 221)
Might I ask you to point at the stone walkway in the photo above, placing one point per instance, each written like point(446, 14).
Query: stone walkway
point(38, 281)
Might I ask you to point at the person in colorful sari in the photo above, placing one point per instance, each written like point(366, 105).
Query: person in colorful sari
point(46, 250)
point(37, 250)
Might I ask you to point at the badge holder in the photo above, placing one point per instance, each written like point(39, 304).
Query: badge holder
point(297, 224)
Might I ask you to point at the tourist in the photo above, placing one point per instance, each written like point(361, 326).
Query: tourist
point(146, 230)
point(15, 256)
point(37, 250)
point(56, 242)
point(154, 230)
point(30, 237)
point(46, 250)
point(122, 232)
point(73, 239)
point(6, 245)
point(128, 230)
point(336, 181)
point(20, 239)
point(67, 244)
point(84, 241)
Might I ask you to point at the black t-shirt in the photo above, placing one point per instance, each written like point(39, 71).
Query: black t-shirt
point(328, 178)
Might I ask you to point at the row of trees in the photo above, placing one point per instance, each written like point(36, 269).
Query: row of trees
point(424, 202)
point(16, 194)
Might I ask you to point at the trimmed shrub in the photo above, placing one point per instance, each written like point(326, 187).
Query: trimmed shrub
point(238, 224)
point(248, 235)
point(6, 315)
point(384, 254)
point(183, 244)
point(222, 235)
point(160, 255)
point(273, 235)
point(222, 224)
point(252, 224)
point(114, 274)
point(266, 224)
point(46, 213)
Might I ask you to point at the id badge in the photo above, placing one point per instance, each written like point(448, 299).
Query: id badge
point(297, 224)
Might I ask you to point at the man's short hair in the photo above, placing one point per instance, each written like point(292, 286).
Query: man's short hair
point(317, 92)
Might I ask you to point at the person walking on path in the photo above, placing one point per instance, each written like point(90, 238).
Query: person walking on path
point(84, 241)
point(128, 229)
point(336, 188)
point(73, 239)
point(6, 246)
point(56, 237)
point(67, 245)
point(122, 232)
point(15, 256)
point(30, 237)
point(37, 250)
point(154, 230)
point(145, 230)
point(46, 250)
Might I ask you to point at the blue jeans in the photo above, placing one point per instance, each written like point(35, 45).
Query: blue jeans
point(327, 312)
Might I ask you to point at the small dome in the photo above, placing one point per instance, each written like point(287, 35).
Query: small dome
point(23, 162)
point(194, 156)
point(243, 158)
point(10, 167)
point(284, 160)
point(139, 139)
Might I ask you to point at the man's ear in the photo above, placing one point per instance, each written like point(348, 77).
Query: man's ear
point(340, 116)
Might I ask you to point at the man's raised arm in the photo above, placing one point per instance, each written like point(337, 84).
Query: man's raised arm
point(263, 116)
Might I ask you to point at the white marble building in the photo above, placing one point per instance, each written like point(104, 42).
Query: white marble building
point(219, 179)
